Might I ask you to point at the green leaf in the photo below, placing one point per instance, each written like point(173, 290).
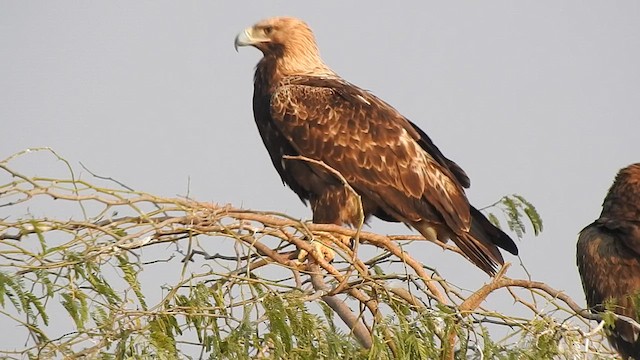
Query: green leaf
point(130, 275)
point(162, 336)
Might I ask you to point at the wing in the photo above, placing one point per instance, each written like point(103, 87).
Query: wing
point(627, 232)
point(375, 148)
point(276, 144)
point(428, 145)
point(610, 271)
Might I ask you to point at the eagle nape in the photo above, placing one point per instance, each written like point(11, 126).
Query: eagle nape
point(302, 108)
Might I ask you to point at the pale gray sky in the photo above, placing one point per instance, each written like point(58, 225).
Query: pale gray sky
point(539, 98)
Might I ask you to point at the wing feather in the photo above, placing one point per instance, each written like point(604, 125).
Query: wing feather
point(374, 147)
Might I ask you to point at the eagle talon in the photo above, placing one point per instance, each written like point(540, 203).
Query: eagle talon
point(321, 250)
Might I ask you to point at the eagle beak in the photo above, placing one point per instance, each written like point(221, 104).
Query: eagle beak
point(243, 39)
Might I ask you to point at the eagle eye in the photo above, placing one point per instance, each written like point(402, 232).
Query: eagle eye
point(268, 30)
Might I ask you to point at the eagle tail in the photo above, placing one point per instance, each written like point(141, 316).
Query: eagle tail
point(482, 241)
point(481, 227)
point(482, 253)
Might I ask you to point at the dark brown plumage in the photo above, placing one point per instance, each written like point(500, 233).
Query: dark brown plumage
point(608, 257)
point(301, 107)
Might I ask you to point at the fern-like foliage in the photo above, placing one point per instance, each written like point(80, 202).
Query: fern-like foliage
point(516, 209)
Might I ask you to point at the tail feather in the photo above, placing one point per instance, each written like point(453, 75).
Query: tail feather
point(480, 245)
point(483, 254)
point(481, 227)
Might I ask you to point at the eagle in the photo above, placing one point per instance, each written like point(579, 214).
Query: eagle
point(304, 110)
point(608, 258)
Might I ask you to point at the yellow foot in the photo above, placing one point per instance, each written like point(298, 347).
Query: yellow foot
point(321, 249)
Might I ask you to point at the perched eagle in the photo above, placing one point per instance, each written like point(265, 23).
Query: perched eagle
point(608, 257)
point(303, 108)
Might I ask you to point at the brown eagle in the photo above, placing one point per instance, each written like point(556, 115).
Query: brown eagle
point(303, 108)
point(608, 257)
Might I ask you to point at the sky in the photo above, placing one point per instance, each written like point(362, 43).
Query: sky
point(538, 98)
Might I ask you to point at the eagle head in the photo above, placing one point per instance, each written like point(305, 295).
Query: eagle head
point(286, 42)
point(278, 33)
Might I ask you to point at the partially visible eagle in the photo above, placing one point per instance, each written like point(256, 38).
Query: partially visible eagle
point(303, 108)
point(608, 257)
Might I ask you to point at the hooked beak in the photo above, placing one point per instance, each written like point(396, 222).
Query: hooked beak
point(243, 39)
